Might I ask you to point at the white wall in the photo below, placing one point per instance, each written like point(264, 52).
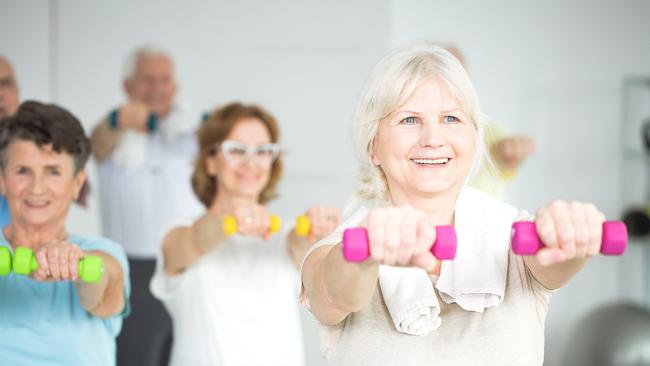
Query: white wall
point(303, 60)
point(554, 70)
point(550, 69)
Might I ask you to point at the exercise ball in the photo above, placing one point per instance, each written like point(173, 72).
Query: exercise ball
point(613, 335)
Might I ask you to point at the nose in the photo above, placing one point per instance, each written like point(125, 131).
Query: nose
point(432, 135)
point(37, 185)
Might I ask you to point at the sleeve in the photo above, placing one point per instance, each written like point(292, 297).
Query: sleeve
point(114, 323)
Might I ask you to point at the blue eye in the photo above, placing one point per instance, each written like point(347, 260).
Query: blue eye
point(409, 121)
point(450, 119)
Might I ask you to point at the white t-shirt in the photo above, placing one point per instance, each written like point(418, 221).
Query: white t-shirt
point(236, 306)
point(136, 203)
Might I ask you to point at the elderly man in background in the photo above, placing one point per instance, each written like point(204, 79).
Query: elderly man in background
point(8, 89)
point(8, 107)
point(144, 150)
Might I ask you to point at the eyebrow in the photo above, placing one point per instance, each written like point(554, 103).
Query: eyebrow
point(406, 111)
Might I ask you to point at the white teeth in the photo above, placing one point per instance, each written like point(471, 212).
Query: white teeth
point(36, 203)
point(430, 161)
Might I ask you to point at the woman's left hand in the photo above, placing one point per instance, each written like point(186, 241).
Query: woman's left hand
point(324, 220)
point(569, 230)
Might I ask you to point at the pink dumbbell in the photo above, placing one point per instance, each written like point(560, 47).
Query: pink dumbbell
point(356, 248)
point(525, 240)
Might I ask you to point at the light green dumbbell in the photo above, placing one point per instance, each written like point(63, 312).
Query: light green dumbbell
point(91, 267)
point(5, 261)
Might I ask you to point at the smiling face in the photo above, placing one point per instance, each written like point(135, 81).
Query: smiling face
point(425, 147)
point(153, 83)
point(39, 184)
point(8, 90)
point(242, 177)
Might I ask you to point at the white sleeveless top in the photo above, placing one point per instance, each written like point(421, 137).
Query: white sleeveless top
point(235, 306)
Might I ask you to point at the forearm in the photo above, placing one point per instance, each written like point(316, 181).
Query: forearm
point(335, 287)
point(298, 247)
point(185, 245)
point(106, 297)
point(557, 275)
point(103, 140)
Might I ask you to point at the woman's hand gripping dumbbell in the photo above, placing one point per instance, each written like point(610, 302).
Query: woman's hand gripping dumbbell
point(60, 263)
point(526, 241)
point(317, 223)
point(568, 230)
point(399, 236)
point(251, 220)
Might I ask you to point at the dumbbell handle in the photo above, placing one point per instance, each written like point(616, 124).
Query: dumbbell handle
point(356, 248)
point(525, 240)
point(303, 225)
point(230, 226)
point(91, 267)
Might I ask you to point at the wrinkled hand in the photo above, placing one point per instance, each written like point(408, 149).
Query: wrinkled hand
point(323, 220)
point(59, 261)
point(401, 236)
point(569, 230)
point(253, 220)
point(133, 115)
point(510, 152)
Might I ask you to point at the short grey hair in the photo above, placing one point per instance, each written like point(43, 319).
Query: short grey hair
point(390, 84)
point(138, 53)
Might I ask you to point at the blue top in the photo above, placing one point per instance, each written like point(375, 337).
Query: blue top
point(43, 323)
point(4, 212)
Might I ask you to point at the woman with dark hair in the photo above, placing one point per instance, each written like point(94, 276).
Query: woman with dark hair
point(52, 316)
point(232, 299)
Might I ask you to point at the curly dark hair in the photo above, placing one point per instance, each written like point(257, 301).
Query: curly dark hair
point(45, 124)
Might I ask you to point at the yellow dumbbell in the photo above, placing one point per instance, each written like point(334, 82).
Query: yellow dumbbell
point(303, 225)
point(230, 225)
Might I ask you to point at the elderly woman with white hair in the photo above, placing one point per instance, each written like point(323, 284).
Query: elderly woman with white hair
point(419, 127)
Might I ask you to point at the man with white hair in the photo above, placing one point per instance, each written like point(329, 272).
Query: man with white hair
point(144, 150)
point(8, 106)
point(8, 89)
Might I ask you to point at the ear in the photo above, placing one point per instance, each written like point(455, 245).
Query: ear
point(211, 165)
point(77, 183)
point(373, 156)
point(3, 189)
point(126, 86)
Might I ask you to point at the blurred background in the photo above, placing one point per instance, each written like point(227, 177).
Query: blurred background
point(572, 74)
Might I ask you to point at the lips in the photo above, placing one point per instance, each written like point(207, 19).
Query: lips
point(36, 203)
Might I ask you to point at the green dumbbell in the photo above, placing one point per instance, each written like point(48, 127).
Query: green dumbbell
point(91, 267)
point(5, 261)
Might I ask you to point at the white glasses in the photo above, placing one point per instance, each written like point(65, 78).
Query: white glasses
point(238, 153)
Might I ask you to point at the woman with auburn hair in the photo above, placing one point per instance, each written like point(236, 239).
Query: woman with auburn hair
point(232, 298)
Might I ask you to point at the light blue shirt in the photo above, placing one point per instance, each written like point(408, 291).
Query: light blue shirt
point(43, 323)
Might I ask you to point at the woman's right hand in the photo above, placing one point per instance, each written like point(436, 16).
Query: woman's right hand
point(401, 236)
point(253, 220)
